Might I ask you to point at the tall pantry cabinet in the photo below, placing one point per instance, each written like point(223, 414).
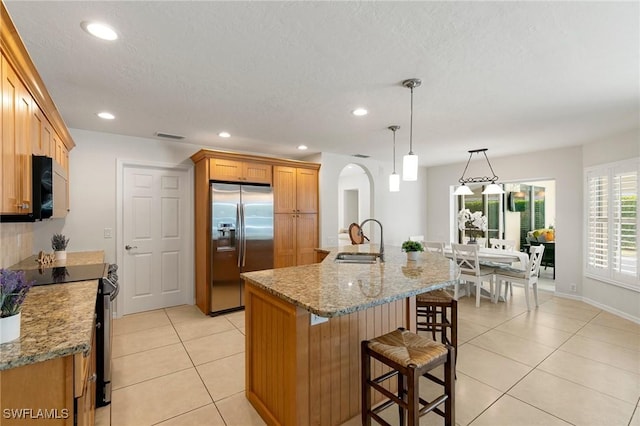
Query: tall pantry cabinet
point(295, 195)
point(295, 205)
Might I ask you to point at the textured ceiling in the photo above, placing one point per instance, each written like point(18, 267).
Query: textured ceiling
point(509, 76)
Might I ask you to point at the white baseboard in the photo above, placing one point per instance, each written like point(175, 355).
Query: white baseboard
point(599, 306)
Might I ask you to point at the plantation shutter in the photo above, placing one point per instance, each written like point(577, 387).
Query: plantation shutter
point(611, 196)
point(598, 221)
point(625, 218)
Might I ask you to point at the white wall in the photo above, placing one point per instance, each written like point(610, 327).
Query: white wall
point(560, 165)
point(93, 187)
point(401, 213)
point(619, 300)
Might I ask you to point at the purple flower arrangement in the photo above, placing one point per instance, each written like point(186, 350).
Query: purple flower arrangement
point(13, 291)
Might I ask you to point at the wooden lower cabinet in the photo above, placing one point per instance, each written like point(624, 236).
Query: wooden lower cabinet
point(296, 238)
point(60, 391)
point(298, 374)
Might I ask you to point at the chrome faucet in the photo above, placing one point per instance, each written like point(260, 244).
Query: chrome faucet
point(381, 235)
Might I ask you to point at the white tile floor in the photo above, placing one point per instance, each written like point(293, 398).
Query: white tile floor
point(564, 363)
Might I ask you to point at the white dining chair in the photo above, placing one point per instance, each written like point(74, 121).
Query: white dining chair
point(434, 247)
point(482, 242)
point(419, 238)
point(527, 276)
point(500, 244)
point(466, 258)
point(497, 243)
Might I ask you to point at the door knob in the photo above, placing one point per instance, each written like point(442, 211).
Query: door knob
point(128, 247)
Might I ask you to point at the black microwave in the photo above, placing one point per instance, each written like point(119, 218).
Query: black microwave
point(43, 170)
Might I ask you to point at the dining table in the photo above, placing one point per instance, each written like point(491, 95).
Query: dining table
point(490, 256)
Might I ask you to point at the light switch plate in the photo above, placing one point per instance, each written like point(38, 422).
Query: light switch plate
point(108, 232)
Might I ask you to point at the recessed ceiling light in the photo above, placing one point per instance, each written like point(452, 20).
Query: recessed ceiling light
point(359, 112)
point(99, 30)
point(224, 134)
point(106, 115)
point(302, 147)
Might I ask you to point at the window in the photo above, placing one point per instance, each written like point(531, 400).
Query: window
point(612, 222)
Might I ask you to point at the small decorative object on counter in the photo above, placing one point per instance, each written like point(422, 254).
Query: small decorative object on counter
point(13, 291)
point(473, 224)
point(59, 244)
point(45, 259)
point(412, 248)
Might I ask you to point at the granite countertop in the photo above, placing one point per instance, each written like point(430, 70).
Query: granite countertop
point(57, 319)
point(330, 289)
point(73, 259)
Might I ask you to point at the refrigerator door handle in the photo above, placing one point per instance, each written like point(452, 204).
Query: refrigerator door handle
point(239, 230)
point(244, 237)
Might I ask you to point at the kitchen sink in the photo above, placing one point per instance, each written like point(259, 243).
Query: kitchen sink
point(361, 258)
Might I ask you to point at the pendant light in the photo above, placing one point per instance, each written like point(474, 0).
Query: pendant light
point(394, 178)
point(492, 188)
point(410, 161)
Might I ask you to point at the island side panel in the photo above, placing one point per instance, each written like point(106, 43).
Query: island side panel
point(277, 379)
point(310, 374)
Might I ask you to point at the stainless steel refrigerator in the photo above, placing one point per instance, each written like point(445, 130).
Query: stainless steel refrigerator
point(241, 239)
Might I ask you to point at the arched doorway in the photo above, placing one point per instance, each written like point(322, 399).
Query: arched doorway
point(355, 202)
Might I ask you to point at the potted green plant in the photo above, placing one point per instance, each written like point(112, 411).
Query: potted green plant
point(13, 291)
point(412, 248)
point(59, 245)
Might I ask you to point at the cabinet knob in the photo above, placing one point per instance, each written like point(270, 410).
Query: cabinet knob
point(93, 377)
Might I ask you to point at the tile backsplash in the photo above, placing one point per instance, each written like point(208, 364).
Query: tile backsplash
point(16, 243)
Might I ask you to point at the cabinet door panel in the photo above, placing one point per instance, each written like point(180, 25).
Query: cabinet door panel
point(16, 143)
point(284, 244)
point(256, 172)
point(307, 191)
point(9, 184)
point(284, 189)
point(225, 170)
point(306, 238)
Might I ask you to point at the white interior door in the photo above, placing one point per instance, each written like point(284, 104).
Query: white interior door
point(154, 237)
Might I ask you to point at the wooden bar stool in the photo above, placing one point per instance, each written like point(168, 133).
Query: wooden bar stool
point(437, 312)
point(410, 356)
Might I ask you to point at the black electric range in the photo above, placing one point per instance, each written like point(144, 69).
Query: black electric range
point(66, 274)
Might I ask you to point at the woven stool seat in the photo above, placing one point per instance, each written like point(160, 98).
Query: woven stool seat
point(435, 296)
point(407, 348)
point(407, 357)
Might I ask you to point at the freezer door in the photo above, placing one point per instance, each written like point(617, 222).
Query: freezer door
point(257, 250)
point(226, 247)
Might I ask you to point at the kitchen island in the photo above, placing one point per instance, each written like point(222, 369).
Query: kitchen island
point(304, 326)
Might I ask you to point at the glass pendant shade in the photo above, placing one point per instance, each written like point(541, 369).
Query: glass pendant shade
point(463, 190)
point(394, 182)
point(410, 167)
point(493, 188)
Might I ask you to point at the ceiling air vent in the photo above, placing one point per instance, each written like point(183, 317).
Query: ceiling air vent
point(361, 155)
point(169, 136)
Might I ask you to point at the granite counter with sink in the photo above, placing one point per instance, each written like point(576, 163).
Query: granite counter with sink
point(304, 326)
point(330, 288)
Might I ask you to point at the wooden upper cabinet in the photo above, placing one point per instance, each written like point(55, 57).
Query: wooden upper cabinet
point(16, 143)
point(306, 190)
point(284, 189)
point(295, 190)
point(29, 121)
point(41, 132)
point(239, 171)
